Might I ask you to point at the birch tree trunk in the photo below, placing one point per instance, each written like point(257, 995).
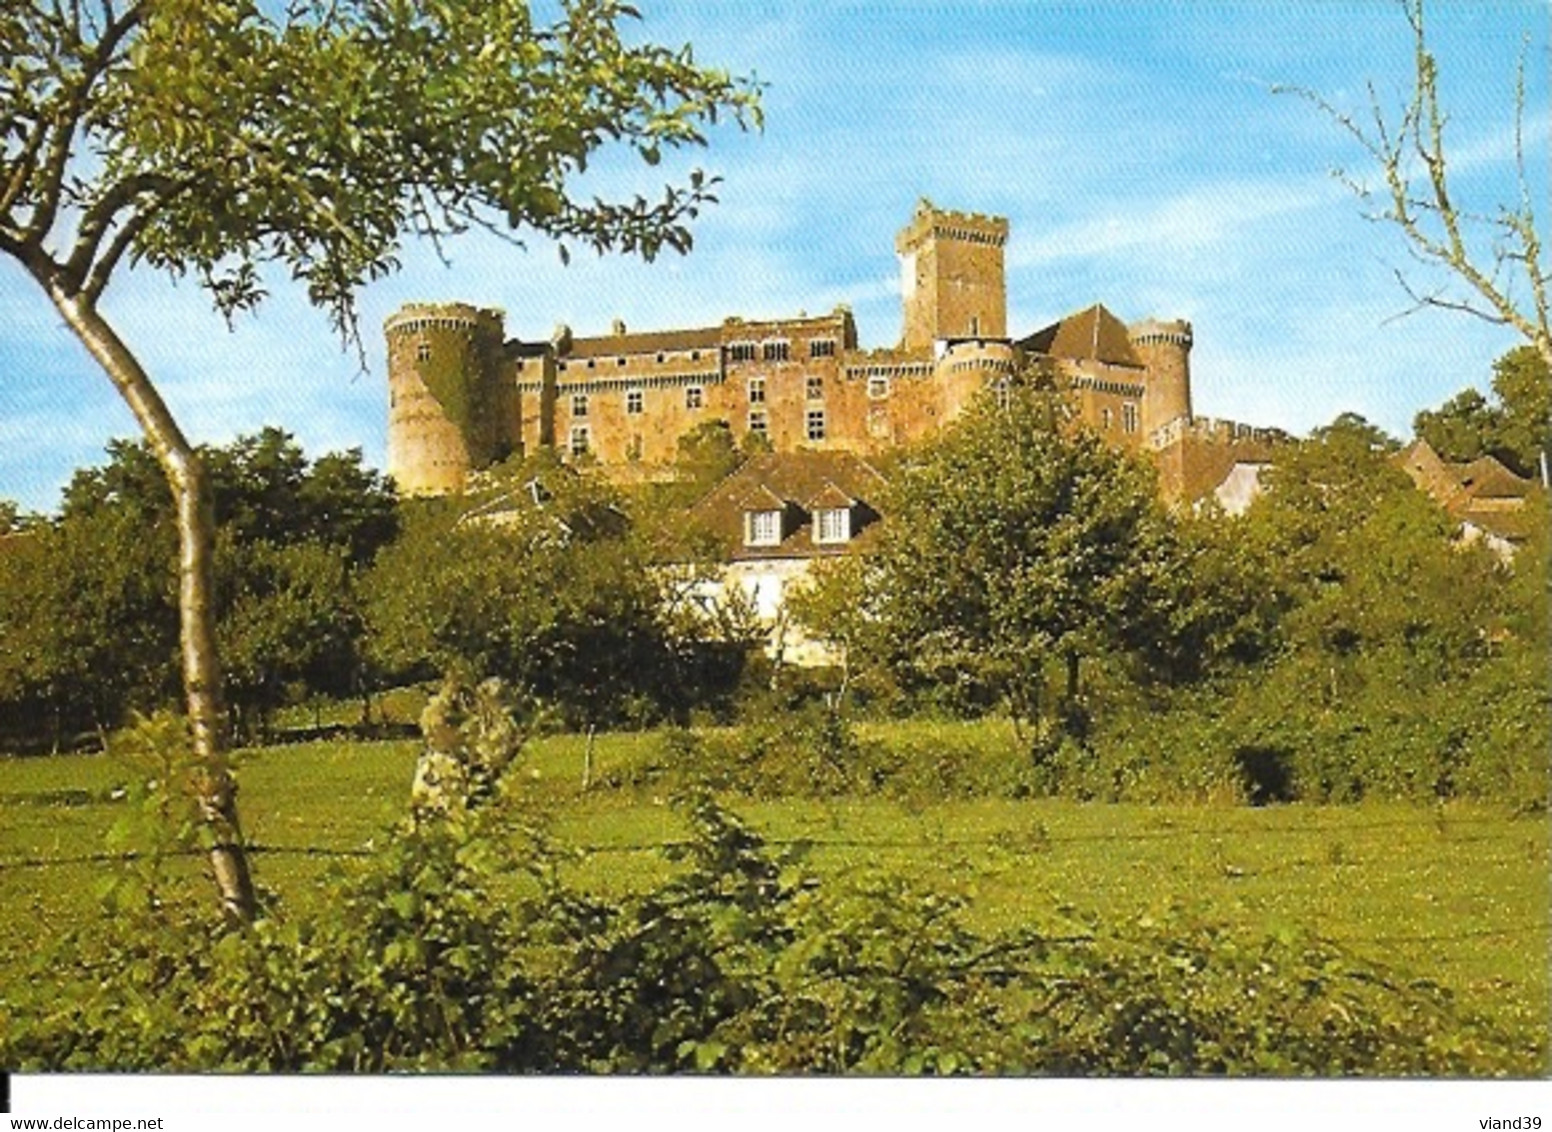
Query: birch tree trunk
point(196, 595)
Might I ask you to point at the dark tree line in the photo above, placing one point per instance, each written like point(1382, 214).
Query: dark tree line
point(88, 600)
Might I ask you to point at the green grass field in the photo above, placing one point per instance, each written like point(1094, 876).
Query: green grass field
point(1457, 894)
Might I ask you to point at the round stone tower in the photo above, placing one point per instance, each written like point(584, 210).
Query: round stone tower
point(968, 369)
point(446, 412)
point(1165, 349)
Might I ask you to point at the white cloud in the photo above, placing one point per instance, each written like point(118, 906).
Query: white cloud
point(1208, 216)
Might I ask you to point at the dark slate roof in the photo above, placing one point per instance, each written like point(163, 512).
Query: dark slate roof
point(801, 480)
point(1088, 335)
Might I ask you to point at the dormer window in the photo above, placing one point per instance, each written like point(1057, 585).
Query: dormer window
point(762, 528)
point(832, 525)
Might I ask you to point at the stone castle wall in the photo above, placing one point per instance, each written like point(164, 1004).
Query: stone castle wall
point(462, 397)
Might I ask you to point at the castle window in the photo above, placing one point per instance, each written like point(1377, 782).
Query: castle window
point(815, 389)
point(634, 401)
point(589, 363)
point(695, 355)
point(1003, 391)
point(816, 424)
point(758, 422)
point(821, 347)
point(1129, 416)
point(579, 440)
point(694, 397)
point(619, 361)
point(975, 326)
point(660, 358)
point(762, 528)
point(777, 351)
point(423, 352)
point(757, 390)
point(832, 525)
point(1105, 420)
point(579, 404)
point(741, 352)
point(878, 388)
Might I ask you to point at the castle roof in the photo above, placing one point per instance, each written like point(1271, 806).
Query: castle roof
point(805, 481)
point(1482, 493)
point(1087, 335)
point(647, 342)
point(1487, 478)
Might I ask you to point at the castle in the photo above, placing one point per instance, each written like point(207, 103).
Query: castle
point(462, 396)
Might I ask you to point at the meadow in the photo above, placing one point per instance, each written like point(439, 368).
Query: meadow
point(1456, 894)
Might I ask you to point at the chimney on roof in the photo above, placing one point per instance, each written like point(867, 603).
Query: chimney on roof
point(617, 327)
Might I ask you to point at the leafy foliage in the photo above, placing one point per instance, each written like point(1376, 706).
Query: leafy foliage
point(545, 582)
point(1018, 541)
point(1515, 429)
point(91, 601)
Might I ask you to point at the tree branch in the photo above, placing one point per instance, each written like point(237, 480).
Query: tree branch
point(25, 167)
point(100, 217)
point(67, 116)
point(1424, 207)
point(102, 269)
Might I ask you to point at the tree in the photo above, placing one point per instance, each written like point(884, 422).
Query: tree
point(1462, 429)
point(1522, 381)
point(214, 137)
point(1493, 250)
point(13, 520)
point(1016, 540)
point(88, 616)
point(1517, 429)
point(707, 454)
point(1365, 564)
point(89, 604)
point(543, 585)
point(289, 620)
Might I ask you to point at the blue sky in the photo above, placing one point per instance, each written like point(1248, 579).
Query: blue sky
point(1135, 149)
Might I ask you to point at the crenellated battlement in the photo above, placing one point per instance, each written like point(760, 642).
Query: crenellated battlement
point(1151, 330)
point(415, 317)
point(1208, 430)
point(931, 222)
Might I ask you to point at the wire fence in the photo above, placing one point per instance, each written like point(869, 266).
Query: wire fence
point(1517, 930)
